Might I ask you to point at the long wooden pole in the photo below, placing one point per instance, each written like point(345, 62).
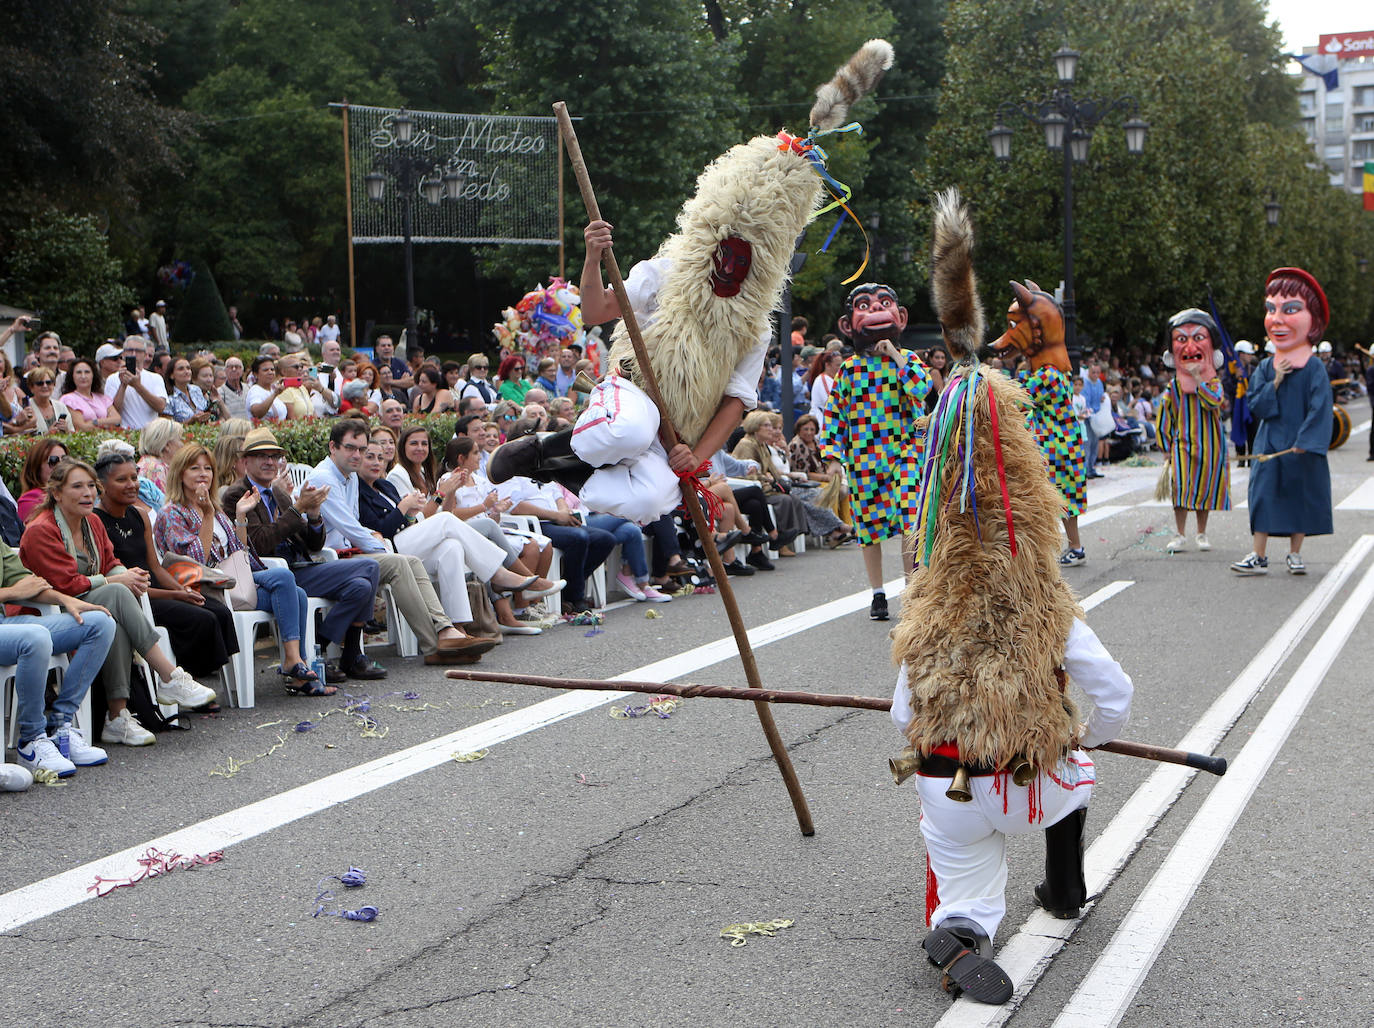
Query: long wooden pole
point(670, 439)
point(688, 690)
point(348, 204)
point(562, 253)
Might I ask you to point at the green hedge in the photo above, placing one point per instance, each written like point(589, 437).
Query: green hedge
point(305, 442)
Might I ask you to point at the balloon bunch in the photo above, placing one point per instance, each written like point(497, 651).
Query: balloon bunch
point(178, 274)
point(542, 323)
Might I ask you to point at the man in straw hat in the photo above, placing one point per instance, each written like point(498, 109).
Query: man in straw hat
point(989, 639)
point(294, 530)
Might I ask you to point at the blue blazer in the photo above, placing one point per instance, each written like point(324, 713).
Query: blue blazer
point(374, 510)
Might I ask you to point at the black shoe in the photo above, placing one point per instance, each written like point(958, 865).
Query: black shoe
point(374, 628)
point(517, 458)
point(960, 949)
point(362, 668)
point(738, 569)
point(877, 610)
point(759, 559)
point(1063, 913)
point(729, 540)
point(755, 538)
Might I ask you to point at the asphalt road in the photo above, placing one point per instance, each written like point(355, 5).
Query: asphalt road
point(581, 872)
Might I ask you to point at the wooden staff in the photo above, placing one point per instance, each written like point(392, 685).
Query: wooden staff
point(1260, 458)
point(687, 690)
point(670, 438)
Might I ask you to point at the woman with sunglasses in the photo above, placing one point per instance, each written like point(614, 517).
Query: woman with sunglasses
point(44, 455)
point(511, 383)
point(49, 414)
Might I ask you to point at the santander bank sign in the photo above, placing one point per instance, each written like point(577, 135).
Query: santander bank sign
point(1345, 45)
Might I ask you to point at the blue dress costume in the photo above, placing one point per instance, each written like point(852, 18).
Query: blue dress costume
point(1291, 493)
point(1058, 434)
point(870, 427)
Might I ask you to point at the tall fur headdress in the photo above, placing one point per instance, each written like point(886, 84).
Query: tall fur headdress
point(986, 618)
point(755, 199)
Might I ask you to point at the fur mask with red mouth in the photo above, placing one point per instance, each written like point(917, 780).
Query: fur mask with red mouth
point(871, 314)
point(1192, 346)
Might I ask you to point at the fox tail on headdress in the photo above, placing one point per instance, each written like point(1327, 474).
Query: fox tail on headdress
point(986, 618)
point(726, 264)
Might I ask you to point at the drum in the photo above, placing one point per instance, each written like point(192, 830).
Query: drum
point(1340, 426)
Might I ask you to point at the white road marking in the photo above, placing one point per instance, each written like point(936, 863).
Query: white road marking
point(1363, 426)
point(1104, 594)
point(1027, 954)
point(28, 904)
point(1361, 499)
point(1099, 514)
point(1105, 994)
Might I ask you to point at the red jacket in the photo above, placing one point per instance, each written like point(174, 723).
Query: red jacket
point(41, 550)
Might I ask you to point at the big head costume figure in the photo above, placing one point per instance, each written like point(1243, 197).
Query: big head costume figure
point(871, 313)
point(1193, 348)
point(1295, 313)
point(990, 636)
point(1036, 329)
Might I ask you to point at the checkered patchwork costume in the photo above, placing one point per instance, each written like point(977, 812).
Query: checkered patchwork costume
point(1058, 434)
point(870, 427)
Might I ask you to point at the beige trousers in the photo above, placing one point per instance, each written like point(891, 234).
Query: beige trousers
point(415, 597)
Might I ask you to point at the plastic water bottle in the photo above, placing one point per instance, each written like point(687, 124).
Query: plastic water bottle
point(64, 742)
point(317, 666)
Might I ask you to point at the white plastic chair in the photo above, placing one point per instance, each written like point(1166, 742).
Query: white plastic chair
point(9, 695)
point(299, 475)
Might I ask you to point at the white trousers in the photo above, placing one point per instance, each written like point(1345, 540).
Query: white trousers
point(966, 843)
point(618, 435)
point(449, 546)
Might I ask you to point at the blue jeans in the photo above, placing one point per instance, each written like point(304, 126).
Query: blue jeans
point(28, 642)
point(631, 540)
point(583, 549)
point(351, 584)
point(280, 596)
point(1090, 441)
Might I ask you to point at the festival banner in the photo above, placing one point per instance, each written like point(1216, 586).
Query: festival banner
point(1369, 185)
point(508, 191)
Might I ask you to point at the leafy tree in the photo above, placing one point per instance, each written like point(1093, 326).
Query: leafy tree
point(1151, 232)
point(655, 94)
point(60, 264)
point(203, 317)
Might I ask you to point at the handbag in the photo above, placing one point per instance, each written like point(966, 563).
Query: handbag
point(1103, 420)
point(193, 573)
point(243, 594)
point(483, 623)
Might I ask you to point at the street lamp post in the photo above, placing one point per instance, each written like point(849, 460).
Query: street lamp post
point(409, 166)
point(1068, 122)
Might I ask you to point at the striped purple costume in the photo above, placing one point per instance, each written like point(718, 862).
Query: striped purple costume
point(1190, 432)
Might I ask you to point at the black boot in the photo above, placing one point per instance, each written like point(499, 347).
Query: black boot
point(1063, 892)
point(959, 947)
point(543, 458)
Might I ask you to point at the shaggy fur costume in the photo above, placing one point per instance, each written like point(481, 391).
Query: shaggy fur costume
point(756, 192)
point(982, 632)
point(858, 76)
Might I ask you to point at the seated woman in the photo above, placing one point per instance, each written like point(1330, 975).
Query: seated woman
point(729, 480)
point(804, 455)
point(205, 394)
point(264, 395)
point(201, 630)
point(66, 544)
point(431, 394)
point(158, 441)
point(511, 383)
point(447, 546)
point(229, 465)
point(789, 512)
point(820, 521)
point(304, 397)
point(83, 393)
point(44, 455)
point(192, 525)
point(367, 374)
point(182, 406)
point(49, 414)
point(635, 580)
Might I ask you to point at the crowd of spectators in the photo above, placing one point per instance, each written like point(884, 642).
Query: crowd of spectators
point(140, 540)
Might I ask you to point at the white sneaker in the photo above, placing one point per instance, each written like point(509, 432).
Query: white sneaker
point(630, 586)
point(126, 731)
point(73, 745)
point(14, 778)
point(41, 754)
point(1202, 542)
point(184, 691)
point(1295, 564)
point(1251, 564)
point(1175, 544)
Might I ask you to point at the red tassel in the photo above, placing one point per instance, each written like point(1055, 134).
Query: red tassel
point(932, 892)
point(712, 506)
